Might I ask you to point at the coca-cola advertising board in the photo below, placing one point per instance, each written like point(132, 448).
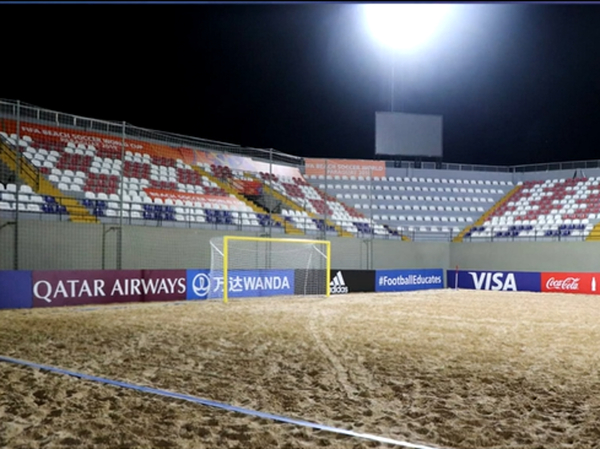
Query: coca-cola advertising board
point(80, 287)
point(585, 283)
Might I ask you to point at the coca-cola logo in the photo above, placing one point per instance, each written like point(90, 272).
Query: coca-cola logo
point(570, 283)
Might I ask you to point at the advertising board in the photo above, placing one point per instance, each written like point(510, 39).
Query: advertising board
point(351, 281)
point(344, 167)
point(404, 280)
point(250, 283)
point(79, 287)
point(584, 283)
point(495, 280)
point(15, 290)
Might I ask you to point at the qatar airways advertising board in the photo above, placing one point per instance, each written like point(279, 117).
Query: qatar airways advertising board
point(74, 288)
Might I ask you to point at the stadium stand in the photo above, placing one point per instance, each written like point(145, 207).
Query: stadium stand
point(63, 179)
point(545, 210)
point(423, 208)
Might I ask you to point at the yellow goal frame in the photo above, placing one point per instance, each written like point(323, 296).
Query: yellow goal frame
point(228, 238)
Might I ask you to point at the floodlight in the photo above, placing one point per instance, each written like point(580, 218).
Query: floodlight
point(405, 27)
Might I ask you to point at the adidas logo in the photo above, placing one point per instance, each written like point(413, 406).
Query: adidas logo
point(338, 285)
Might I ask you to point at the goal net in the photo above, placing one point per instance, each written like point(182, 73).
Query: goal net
point(260, 266)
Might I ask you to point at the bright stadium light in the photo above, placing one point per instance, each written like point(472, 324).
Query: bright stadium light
point(405, 27)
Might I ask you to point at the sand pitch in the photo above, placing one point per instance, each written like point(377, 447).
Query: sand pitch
point(446, 368)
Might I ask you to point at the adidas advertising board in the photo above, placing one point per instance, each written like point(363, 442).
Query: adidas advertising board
point(338, 285)
point(351, 281)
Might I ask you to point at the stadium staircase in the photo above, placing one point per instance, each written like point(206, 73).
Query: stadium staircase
point(338, 228)
point(294, 206)
point(594, 235)
point(288, 227)
point(28, 173)
point(481, 220)
point(403, 237)
point(32, 177)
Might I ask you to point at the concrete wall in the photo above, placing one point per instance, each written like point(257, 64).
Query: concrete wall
point(55, 245)
point(526, 256)
point(48, 245)
point(52, 245)
point(390, 254)
point(7, 233)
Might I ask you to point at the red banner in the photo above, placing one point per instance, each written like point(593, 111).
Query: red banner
point(344, 167)
point(236, 162)
point(585, 283)
point(228, 201)
point(106, 141)
point(75, 288)
point(248, 187)
point(43, 133)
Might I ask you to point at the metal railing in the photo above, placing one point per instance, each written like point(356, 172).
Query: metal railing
point(11, 109)
point(505, 233)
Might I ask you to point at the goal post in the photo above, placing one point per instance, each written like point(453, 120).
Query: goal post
point(255, 266)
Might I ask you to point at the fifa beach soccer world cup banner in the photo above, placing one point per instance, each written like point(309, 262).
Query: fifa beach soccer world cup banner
point(114, 142)
point(236, 162)
point(495, 280)
point(214, 201)
point(344, 167)
point(406, 280)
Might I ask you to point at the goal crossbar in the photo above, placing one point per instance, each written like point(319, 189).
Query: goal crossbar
point(316, 243)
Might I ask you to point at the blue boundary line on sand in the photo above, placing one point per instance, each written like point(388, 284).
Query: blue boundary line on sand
point(209, 403)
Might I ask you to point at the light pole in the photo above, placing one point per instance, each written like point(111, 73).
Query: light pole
point(392, 83)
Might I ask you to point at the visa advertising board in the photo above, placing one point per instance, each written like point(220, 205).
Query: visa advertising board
point(495, 280)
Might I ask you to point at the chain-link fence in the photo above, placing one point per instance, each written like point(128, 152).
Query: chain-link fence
point(83, 193)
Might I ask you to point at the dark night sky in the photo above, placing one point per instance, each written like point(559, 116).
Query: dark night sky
point(514, 83)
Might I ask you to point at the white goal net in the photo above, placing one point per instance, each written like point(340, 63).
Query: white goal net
point(258, 266)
